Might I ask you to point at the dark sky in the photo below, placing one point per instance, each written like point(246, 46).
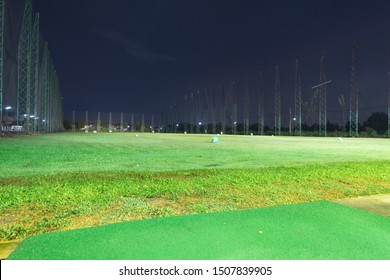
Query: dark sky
point(143, 56)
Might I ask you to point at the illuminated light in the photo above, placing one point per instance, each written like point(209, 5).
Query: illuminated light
point(8, 108)
point(200, 123)
point(24, 115)
point(32, 116)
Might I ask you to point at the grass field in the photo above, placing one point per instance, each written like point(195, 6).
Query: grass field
point(65, 181)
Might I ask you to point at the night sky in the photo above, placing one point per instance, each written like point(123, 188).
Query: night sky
point(143, 56)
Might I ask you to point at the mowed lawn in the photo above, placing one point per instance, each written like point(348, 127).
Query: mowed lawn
point(63, 181)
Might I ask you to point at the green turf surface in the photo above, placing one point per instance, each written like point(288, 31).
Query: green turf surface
point(64, 181)
point(317, 230)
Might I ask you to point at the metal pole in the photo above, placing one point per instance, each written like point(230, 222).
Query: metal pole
point(322, 98)
point(354, 95)
point(298, 102)
point(261, 106)
point(277, 103)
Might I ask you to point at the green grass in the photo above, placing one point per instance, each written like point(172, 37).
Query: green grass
point(170, 152)
point(64, 181)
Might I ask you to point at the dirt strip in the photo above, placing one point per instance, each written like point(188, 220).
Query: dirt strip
point(378, 204)
point(6, 248)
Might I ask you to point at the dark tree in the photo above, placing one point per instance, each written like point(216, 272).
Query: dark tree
point(377, 121)
point(67, 124)
point(331, 127)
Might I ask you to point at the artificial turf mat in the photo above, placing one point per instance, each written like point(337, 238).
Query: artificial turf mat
point(317, 230)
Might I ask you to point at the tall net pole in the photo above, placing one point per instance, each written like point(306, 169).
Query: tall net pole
point(24, 68)
point(60, 112)
point(214, 112)
point(98, 123)
point(86, 122)
point(223, 128)
point(110, 123)
point(199, 112)
point(34, 95)
point(168, 120)
point(297, 120)
point(192, 112)
point(121, 128)
point(50, 96)
point(388, 100)
point(73, 121)
point(175, 116)
point(354, 95)
point(143, 123)
point(186, 113)
point(234, 109)
point(132, 122)
point(44, 90)
point(277, 103)
point(246, 107)
point(260, 127)
point(1, 60)
point(167, 117)
point(322, 97)
point(205, 111)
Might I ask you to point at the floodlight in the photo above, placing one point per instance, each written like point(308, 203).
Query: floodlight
point(8, 108)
